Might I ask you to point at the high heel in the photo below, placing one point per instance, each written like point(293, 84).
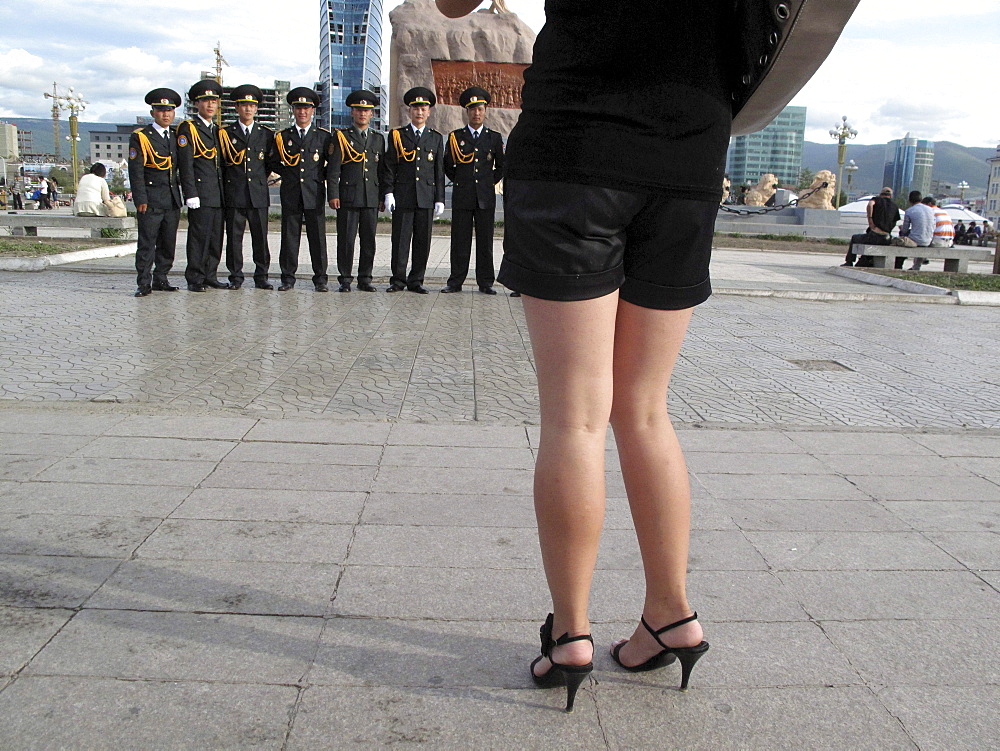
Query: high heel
point(687, 656)
point(558, 674)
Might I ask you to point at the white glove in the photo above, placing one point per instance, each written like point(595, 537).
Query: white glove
point(193, 203)
point(390, 202)
point(438, 209)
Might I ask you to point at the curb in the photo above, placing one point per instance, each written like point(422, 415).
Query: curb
point(928, 292)
point(793, 294)
point(42, 262)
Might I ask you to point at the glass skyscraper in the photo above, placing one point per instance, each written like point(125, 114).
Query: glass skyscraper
point(776, 149)
point(350, 57)
point(908, 165)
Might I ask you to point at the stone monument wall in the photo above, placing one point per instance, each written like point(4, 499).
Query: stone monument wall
point(447, 55)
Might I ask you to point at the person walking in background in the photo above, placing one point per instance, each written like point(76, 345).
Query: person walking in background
point(413, 197)
point(43, 194)
point(354, 184)
point(156, 192)
point(247, 148)
point(883, 215)
point(17, 200)
point(303, 156)
point(473, 161)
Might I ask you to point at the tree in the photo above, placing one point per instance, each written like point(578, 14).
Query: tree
point(61, 177)
point(805, 178)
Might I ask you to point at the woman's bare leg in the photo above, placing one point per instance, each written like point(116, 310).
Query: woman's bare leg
point(573, 344)
point(647, 343)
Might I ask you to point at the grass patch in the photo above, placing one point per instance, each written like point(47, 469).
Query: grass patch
point(28, 247)
point(948, 280)
point(786, 238)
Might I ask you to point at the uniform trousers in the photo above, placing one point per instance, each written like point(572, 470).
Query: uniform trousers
point(237, 219)
point(350, 224)
point(462, 221)
point(204, 244)
point(410, 225)
point(291, 235)
point(157, 243)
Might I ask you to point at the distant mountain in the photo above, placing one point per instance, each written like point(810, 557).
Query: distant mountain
point(952, 164)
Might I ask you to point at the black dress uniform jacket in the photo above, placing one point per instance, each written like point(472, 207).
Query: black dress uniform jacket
point(245, 183)
point(474, 181)
point(157, 187)
point(416, 184)
point(305, 171)
point(201, 174)
point(356, 183)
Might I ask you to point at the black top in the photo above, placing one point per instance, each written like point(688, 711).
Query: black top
point(631, 95)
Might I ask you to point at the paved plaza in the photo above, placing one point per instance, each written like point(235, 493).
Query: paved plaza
point(247, 519)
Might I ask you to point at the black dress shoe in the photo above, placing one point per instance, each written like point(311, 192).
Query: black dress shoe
point(322, 288)
point(285, 287)
point(395, 288)
point(164, 287)
point(197, 288)
point(419, 289)
point(366, 287)
point(233, 285)
point(515, 294)
point(487, 290)
point(216, 284)
point(263, 285)
point(143, 291)
point(449, 289)
point(344, 288)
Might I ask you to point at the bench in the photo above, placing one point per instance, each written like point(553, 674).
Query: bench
point(955, 258)
point(34, 223)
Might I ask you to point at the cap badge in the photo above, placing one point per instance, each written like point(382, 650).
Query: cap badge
point(316, 156)
point(165, 101)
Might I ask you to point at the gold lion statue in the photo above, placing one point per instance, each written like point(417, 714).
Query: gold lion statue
point(761, 194)
point(822, 198)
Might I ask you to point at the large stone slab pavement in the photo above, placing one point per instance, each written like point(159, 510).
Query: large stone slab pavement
point(233, 559)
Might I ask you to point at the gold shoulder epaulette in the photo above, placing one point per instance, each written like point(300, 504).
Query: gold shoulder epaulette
point(348, 153)
point(322, 129)
point(138, 130)
point(149, 156)
point(456, 152)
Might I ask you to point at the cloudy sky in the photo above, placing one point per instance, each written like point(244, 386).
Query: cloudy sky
point(940, 55)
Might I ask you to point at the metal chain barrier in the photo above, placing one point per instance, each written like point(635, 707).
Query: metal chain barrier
point(768, 209)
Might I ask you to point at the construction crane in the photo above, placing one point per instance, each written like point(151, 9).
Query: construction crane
point(54, 96)
point(219, 62)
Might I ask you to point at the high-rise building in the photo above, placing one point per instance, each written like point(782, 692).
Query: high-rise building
point(908, 165)
point(350, 58)
point(274, 111)
point(776, 149)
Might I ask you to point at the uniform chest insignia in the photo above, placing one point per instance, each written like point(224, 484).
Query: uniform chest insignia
point(315, 156)
point(489, 155)
point(430, 157)
point(376, 157)
point(289, 141)
point(461, 143)
point(261, 156)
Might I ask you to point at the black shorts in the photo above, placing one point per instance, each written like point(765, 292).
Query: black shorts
point(565, 241)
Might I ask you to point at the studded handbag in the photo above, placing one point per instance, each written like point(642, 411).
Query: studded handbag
point(783, 43)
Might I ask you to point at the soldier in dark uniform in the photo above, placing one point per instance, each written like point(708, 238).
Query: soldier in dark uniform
point(302, 158)
point(201, 177)
point(413, 185)
point(156, 192)
point(473, 161)
point(247, 149)
point(355, 190)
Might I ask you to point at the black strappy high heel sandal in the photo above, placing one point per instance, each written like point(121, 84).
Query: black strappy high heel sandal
point(688, 656)
point(558, 675)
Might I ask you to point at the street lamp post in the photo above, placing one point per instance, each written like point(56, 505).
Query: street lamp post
point(962, 187)
point(851, 168)
point(75, 103)
point(841, 132)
